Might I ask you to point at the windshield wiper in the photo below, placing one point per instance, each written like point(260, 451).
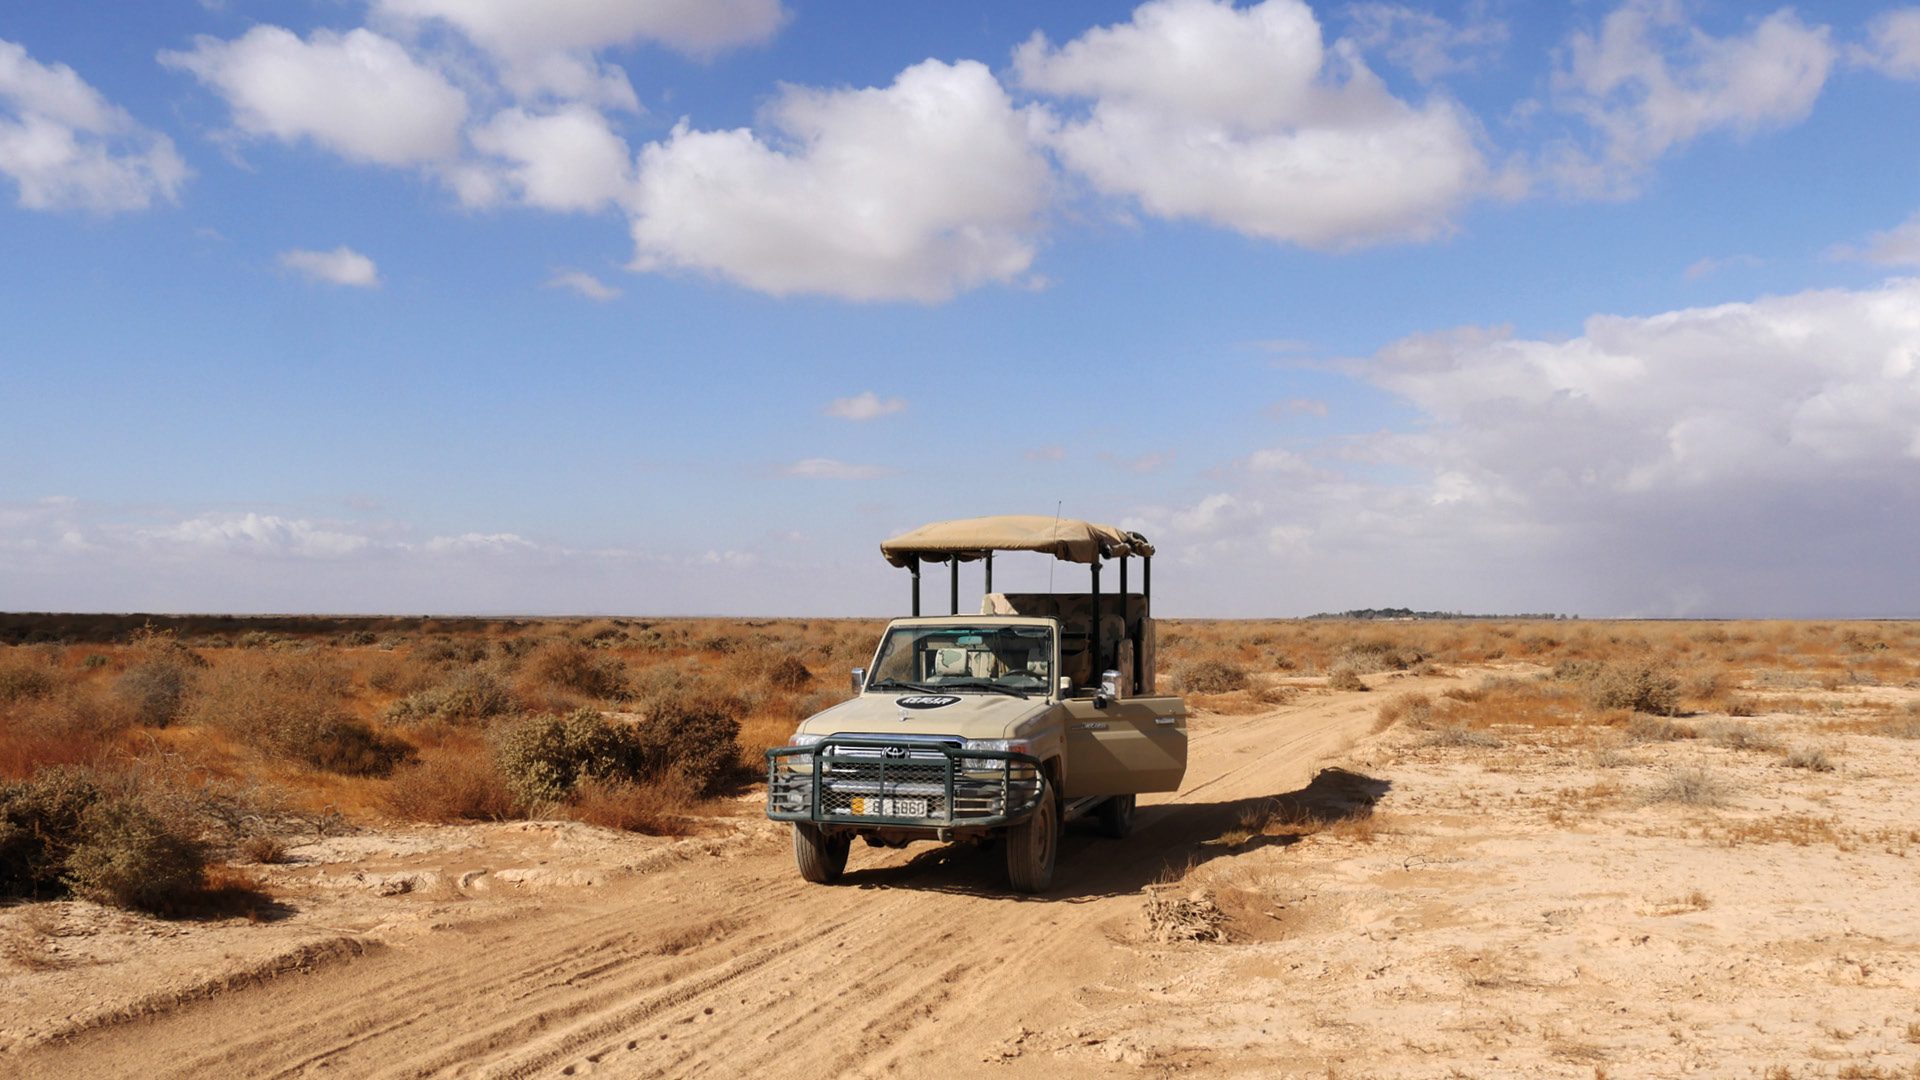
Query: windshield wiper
point(918, 688)
point(986, 684)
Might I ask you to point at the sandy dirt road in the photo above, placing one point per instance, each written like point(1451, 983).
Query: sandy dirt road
point(919, 963)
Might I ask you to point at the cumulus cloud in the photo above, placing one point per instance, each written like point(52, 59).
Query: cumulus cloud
point(831, 469)
point(1650, 81)
point(583, 283)
point(913, 191)
point(358, 94)
point(67, 147)
point(517, 28)
point(1425, 44)
point(1246, 118)
point(567, 159)
point(1893, 47)
point(341, 266)
point(865, 406)
point(1898, 246)
point(259, 534)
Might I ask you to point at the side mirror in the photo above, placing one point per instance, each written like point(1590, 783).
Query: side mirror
point(1065, 689)
point(859, 679)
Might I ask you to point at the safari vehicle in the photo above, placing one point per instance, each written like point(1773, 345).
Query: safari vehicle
point(996, 726)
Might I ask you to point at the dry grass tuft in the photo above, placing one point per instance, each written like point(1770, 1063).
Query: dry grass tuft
point(1738, 735)
point(1811, 758)
point(1414, 710)
point(1177, 913)
point(1688, 787)
point(451, 783)
point(1345, 678)
point(1212, 676)
point(657, 807)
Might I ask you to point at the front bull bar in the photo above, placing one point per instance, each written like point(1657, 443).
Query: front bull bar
point(859, 781)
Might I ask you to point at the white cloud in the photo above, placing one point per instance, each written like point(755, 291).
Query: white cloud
point(1246, 119)
point(1898, 246)
point(1427, 45)
point(865, 406)
point(830, 469)
point(1650, 81)
point(341, 266)
point(481, 543)
point(259, 534)
point(914, 191)
point(67, 147)
point(357, 94)
point(568, 159)
point(518, 28)
point(583, 283)
point(1894, 44)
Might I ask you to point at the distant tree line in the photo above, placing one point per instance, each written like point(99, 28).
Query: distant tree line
point(1409, 613)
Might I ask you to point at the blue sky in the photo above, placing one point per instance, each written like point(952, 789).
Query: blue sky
point(662, 306)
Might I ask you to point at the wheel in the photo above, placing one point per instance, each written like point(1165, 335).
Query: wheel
point(1116, 817)
point(821, 858)
point(1033, 844)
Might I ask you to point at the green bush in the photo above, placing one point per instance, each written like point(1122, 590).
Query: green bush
point(544, 757)
point(40, 822)
point(472, 694)
point(155, 688)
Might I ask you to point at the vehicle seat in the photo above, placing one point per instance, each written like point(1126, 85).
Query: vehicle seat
point(950, 662)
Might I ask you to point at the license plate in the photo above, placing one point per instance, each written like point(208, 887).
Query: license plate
point(911, 808)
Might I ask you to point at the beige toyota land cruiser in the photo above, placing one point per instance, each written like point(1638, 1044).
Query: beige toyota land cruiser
point(1000, 725)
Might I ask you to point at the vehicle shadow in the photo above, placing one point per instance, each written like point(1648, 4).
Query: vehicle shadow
point(1166, 840)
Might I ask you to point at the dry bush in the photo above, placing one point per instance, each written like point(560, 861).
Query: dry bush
point(156, 684)
point(65, 830)
point(1738, 735)
point(451, 783)
point(788, 673)
point(694, 736)
point(1176, 912)
point(1688, 787)
point(471, 695)
point(1212, 676)
point(1462, 737)
point(292, 705)
point(26, 674)
point(571, 666)
point(1811, 758)
point(1645, 728)
point(657, 807)
point(393, 673)
point(1345, 678)
point(1645, 686)
point(1414, 710)
point(1741, 705)
point(76, 726)
point(1369, 657)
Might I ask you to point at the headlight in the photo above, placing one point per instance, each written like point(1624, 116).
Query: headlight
point(1001, 746)
point(805, 740)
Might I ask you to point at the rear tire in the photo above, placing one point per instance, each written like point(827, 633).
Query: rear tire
point(1116, 817)
point(820, 857)
point(1033, 845)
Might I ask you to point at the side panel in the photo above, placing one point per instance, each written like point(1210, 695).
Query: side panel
point(1128, 748)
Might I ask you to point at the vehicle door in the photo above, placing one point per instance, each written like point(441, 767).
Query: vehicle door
point(1127, 747)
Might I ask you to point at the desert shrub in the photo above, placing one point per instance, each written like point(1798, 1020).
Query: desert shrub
point(1737, 735)
point(1640, 685)
point(1345, 678)
point(128, 856)
point(1741, 705)
point(542, 758)
point(357, 639)
point(1365, 657)
point(155, 687)
point(1688, 787)
point(1415, 710)
point(657, 807)
point(292, 706)
point(25, 676)
point(1576, 671)
point(472, 694)
point(787, 673)
point(390, 673)
point(1810, 758)
point(64, 830)
point(445, 650)
point(451, 784)
point(1461, 737)
point(256, 639)
point(1645, 728)
point(1212, 675)
point(40, 822)
point(694, 736)
point(569, 665)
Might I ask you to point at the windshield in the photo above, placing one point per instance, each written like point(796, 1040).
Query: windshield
point(987, 659)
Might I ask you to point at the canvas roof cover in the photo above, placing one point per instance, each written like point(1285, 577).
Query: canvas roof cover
point(971, 538)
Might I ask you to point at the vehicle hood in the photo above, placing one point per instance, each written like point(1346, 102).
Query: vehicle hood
point(970, 716)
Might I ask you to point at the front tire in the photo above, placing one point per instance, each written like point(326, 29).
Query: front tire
point(1033, 845)
point(820, 857)
point(1116, 817)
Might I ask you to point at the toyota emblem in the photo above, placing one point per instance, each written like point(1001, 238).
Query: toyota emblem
point(895, 752)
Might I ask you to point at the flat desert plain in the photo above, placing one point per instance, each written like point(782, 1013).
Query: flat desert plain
point(1506, 850)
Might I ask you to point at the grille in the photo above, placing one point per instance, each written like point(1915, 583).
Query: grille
point(920, 783)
